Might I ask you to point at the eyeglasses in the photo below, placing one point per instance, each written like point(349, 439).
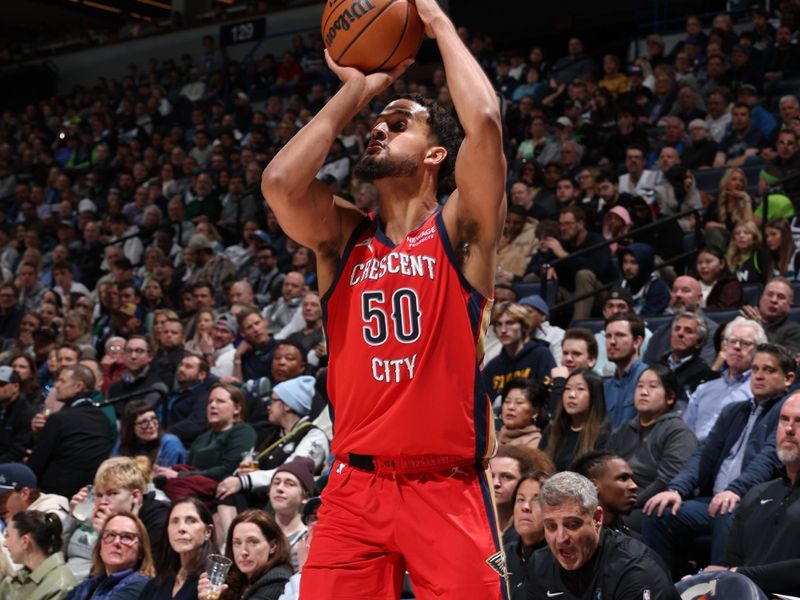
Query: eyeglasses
point(147, 422)
point(125, 538)
point(743, 343)
point(116, 348)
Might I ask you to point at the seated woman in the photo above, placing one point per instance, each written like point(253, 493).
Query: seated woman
point(782, 250)
point(530, 527)
point(33, 539)
point(656, 443)
point(524, 413)
point(580, 423)
point(732, 205)
point(141, 435)
point(122, 562)
point(216, 453)
point(182, 552)
point(260, 555)
point(720, 289)
point(747, 257)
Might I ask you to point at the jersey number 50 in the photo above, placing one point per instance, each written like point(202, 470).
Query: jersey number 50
point(405, 316)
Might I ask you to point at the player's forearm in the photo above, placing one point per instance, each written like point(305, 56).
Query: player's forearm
point(472, 92)
point(292, 170)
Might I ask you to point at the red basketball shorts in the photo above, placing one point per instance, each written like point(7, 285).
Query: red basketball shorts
point(439, 525)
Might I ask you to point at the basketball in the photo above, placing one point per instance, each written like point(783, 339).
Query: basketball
point(371, 35)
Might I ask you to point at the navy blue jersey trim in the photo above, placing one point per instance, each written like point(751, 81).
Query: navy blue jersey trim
point(488, 505)
point(342, 264)
point(451, 255)
point(480, 410)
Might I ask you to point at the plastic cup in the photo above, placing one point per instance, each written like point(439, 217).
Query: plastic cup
point(217, 567)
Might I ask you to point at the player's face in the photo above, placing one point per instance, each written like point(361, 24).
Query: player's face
point(399, 142)
point(571, 534)
point(505, 476)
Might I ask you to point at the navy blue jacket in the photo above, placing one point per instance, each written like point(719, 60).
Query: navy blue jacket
point(533, 361)
point(760, 462)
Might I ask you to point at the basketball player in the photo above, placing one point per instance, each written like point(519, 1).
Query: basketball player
point(407, 294)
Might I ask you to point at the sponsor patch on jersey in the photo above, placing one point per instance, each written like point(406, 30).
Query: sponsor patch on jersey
point(498, 563)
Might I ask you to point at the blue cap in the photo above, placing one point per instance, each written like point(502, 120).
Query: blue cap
point(15, 476)
point(537, 302)
point(296, 393)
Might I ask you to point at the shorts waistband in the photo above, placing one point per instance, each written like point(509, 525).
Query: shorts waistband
point(407, 464)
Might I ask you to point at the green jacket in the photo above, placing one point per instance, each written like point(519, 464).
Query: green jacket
point(51, 580)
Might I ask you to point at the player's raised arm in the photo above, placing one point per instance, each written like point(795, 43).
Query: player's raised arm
point(480, 171)
point(304, 207)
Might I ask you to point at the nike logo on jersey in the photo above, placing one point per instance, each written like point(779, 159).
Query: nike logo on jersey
point(554, 594)
point(765, 500)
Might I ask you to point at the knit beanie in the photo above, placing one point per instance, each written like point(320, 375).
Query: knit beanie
point(302, 468)
point(296, 393)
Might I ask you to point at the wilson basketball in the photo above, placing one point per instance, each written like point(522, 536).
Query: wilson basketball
point(371, 35)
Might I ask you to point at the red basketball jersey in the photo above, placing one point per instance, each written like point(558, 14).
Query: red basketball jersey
point(405, 340)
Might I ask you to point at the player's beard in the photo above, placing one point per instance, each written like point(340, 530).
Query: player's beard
point(371, 167)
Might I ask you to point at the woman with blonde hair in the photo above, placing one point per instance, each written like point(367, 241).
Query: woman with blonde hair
point(201, 344)
point(747, 258)
point(732, 205)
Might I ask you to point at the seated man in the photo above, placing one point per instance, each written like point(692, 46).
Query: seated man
point(733, 385)
point(624, 336)
point(618, 300)
point(616, 489)
point(584, 559)
point(688, 336)
point(686, 295)
point(773, 313)
point(766, 526)
point(738, 454)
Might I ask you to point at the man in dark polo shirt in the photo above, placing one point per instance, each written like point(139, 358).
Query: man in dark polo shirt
point(15, 418)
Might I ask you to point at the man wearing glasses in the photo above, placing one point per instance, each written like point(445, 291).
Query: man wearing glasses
point(138, 376)
point(738, 454)
point(733, 385)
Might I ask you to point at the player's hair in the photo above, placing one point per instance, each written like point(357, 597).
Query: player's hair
point(444, 128)
point(585, 335)
point(568, 486)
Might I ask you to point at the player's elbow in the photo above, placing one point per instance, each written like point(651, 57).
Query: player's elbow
point(486, 124)
point(274, 186)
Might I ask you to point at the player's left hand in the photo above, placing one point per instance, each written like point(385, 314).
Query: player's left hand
point(428, 11)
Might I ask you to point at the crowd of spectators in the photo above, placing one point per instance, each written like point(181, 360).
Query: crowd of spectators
point(162, 338)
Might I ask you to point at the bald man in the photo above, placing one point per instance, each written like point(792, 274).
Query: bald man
point(685, 296)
